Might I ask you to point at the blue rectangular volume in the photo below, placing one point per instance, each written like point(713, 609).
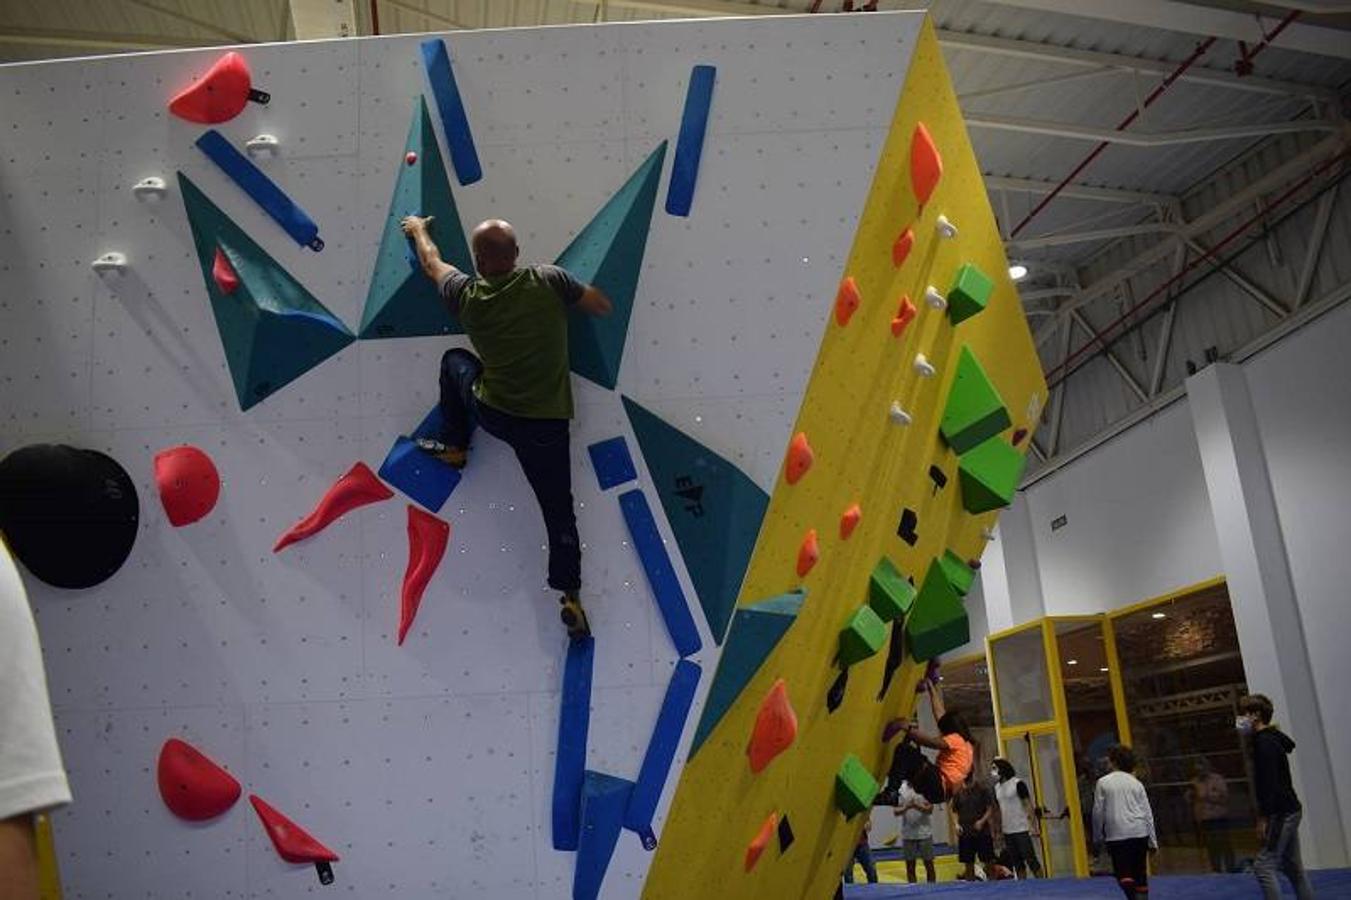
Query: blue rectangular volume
point(603, 800)
point(690, 143)
point(262, 189)
point(661, 574)
point(454, 121)
point(661, 749)
point(612, 462)
point(574, 719)
point(427, 480)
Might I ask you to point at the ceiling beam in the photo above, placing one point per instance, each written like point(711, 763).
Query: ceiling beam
point(196, 22)
point(1077, 191)
point(1144, 139)
point(1084, 237)
point(102, 40)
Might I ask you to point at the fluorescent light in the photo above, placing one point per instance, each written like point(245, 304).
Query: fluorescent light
point(1102, 669)
point(1159, 616)
point(1017, 271)
point(1071, 662)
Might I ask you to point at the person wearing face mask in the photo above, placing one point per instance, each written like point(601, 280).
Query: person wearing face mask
point(1278, 808)
point(1018, 817)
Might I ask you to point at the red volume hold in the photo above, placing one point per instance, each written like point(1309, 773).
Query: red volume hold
point(189, 484)
point(191, 784)
point(427, 540)
point(357, 488)
point(775, 727)
point(294, 844)
point(227, 280)
point(926, 165)
point(219, 95)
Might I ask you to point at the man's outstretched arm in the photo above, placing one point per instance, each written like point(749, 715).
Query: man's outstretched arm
point(428, 255)
point(593, 302)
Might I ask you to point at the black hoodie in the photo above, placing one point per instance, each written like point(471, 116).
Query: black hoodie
point(1271, 749)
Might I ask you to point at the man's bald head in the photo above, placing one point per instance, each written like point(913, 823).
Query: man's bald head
point(494, 245)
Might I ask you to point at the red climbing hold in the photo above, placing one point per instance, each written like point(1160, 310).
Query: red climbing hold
point(847, 300)
point(807, 554)
point(357, 488)
point(926, 165)
point(427, 539)
point(294, 844)
point(849, 521)
point(905, 314)
point(223, 273)
point(1018, 435)
point(761, 840)
point(901, 249)
point(410, 157)
point(800, 458)
point(775, 727)
point(219, 95)
point(193, 787)
point(188, 484)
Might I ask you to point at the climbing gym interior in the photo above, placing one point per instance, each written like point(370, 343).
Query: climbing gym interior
point(984, 359)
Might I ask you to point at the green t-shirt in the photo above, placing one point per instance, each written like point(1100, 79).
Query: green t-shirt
point(518, 324)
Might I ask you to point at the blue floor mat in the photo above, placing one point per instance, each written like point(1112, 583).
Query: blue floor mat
point(1327, 884)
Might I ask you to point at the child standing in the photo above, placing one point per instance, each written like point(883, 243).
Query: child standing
point(1122, 819)
point(917, 832)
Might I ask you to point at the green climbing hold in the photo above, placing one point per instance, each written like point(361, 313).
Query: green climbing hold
point(862, 636)
point(855, 787)
point(937, 623)
point(989, 475)
point(970, 293)
point(889, 593)
point(974, 411)
point(958, 573)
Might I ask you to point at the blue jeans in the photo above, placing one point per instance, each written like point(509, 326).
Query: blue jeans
point(863, 854)
point(543, 448)
point(1280, 852)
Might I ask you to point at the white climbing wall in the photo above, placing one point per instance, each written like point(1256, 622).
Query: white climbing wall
point(428, 768)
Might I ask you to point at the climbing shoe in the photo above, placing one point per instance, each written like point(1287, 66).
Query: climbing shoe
point(574, 617)
point(455, 457)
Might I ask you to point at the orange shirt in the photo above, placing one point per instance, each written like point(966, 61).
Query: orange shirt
point(954, 761)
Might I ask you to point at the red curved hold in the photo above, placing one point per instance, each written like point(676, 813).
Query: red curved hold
point(189, 484)
point(808, 553)
point(227, 280)
point(217, 96)
point(905, 242)
point(775, 727)
point(926, 164)
point(427, 540)
point(294, 844)
point(905, 314)
point(849, 521)
point(847, 300)
point(357, 488)
point(193, 787)
point(800, 458)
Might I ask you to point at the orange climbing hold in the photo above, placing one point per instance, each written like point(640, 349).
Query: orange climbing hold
point(357, 488)
point(926, 165)
point(849, 521)
point(775, 728)
point(761, 840)
point(905, 314)
point(808, 554)
point(800, 458)
point(427, 539)
point(847, 300)
point(901, 249)
point(223, 273)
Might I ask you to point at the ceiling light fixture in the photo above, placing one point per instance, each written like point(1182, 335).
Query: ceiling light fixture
point(1159, 616)
point(1071, 662)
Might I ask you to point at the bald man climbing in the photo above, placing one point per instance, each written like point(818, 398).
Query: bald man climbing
point(518, 386)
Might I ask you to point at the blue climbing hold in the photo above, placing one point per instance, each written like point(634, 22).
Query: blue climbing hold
point(661, 576)
point(690, 143)
point(604, 798)
point(574, 719)
point(263, 190)
point(454, 121)
point(612, 462)
point(661, 749)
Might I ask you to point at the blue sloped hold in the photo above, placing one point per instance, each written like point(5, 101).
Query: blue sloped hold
point(612, 462)
point(272, 329)
point(661, 576)
point(661, 749)
point(756, 631)
point(425, 479)
point(609, 254)
point(401, 300)
point(454, 121)
point(261, 189)
point(714, 510)
point(574, 719)
point(690, 143)
point(603, 800)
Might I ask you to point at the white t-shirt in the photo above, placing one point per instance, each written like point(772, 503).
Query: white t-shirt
point(915, 825)
point(1121, 809)
point(31, 776)
point(1012, 813)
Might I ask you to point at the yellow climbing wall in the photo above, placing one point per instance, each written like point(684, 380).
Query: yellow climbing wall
point(861, 456)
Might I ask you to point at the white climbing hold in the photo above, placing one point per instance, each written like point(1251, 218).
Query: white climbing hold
point(945, 228)
point(934, 298)
point(263, 143)
point(898, 415)
point(152, 187)
point(112, 261)
point(987, 533)
point(923, 367)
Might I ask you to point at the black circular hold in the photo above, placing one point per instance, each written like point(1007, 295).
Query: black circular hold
point(69, 515)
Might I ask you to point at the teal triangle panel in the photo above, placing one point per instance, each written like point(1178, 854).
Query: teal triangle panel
point(714, 510)
point(756, 631)
point(609, 254)
point(401, 301)
point(272, 329)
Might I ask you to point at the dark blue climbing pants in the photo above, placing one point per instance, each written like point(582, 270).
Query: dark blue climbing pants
point(543, 448)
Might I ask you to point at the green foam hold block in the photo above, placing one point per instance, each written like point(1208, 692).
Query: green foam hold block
point(974, 411)
point(402, 301)
point(272, 329)
point(855, 787)
point(937, 623)
point(958, 573)
point(971, 290)
point(756, 631)
point(608, 253)
point(889, 593)
point(989, 475)
point(862, 636)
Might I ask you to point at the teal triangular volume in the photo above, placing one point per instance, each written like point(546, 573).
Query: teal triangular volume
point(272, 329)
point(401, 301)
point(714, 510)
point(756, 631)
point(609, 254)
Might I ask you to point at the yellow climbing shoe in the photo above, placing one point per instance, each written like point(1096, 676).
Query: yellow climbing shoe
point(573, 616)
point(455, 457)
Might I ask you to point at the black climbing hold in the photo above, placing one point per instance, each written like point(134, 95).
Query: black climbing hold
point(785, 834)
point(258, 96)
point(325, 871)
point(895, 656)
point(939, 479)
point(835, 696)
point(906, 530)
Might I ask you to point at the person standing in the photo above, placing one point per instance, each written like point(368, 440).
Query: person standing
point(974, 807)
point(1124, 821)
point(917, 831)
point(1209, 797)
point(1278, 808)
point(1018, 818)
point(863, 855)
